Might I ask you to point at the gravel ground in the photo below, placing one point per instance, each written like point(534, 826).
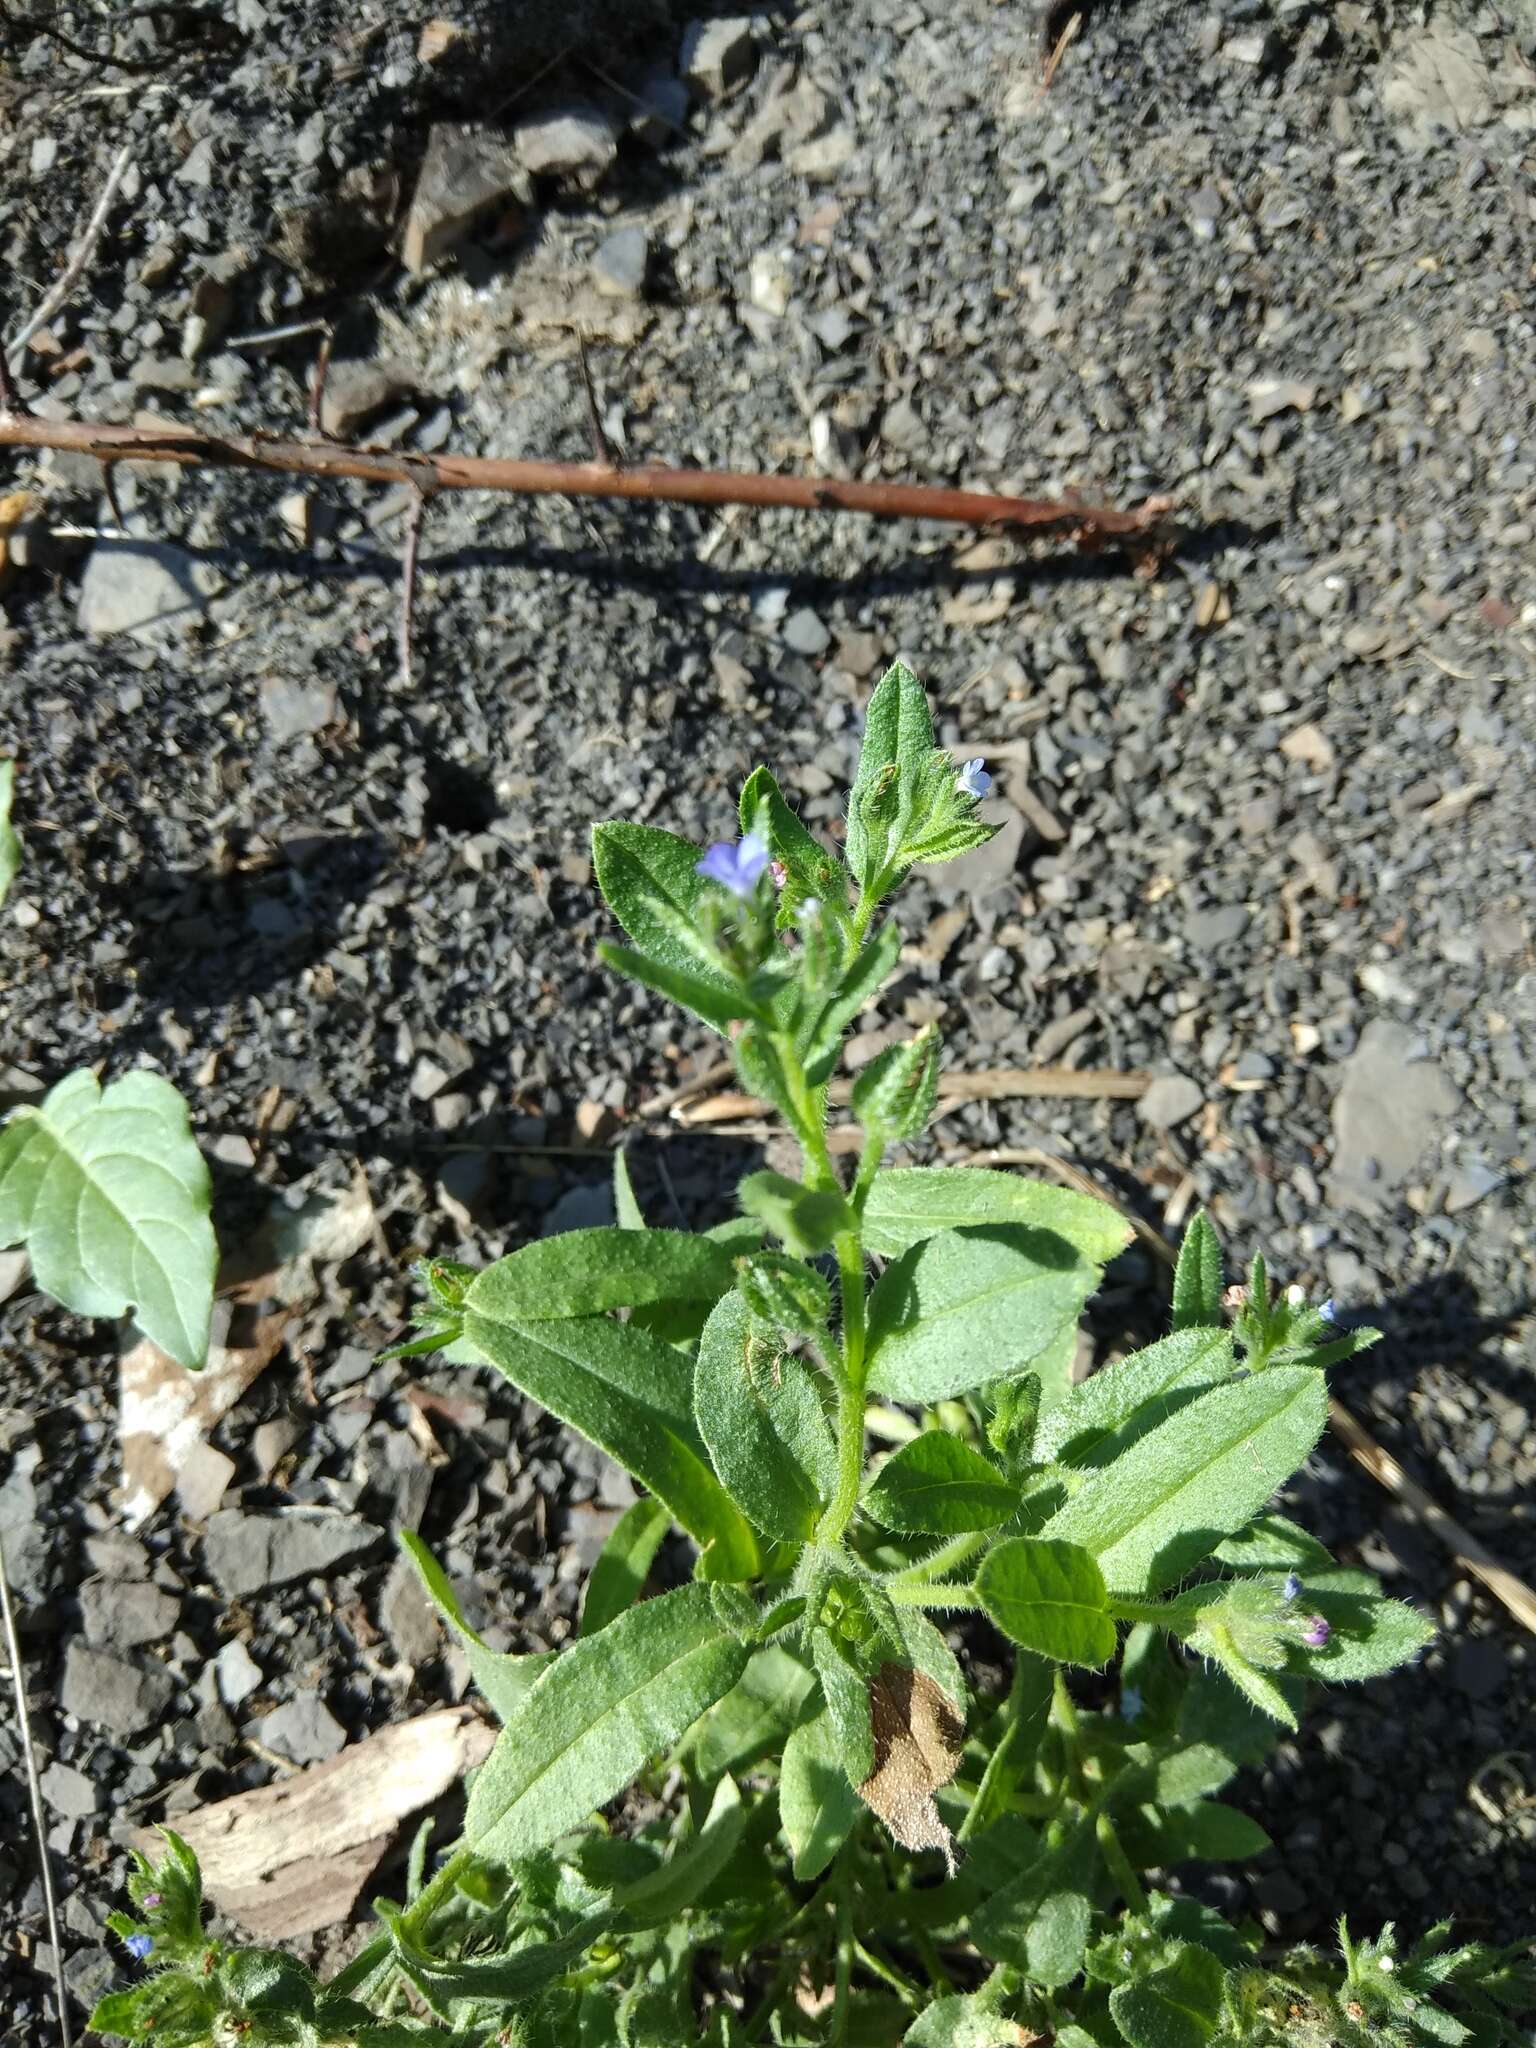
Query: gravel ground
point(1266, 815)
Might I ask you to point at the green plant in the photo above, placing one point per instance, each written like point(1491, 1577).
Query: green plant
point(821, 1838)
point(107, 1190)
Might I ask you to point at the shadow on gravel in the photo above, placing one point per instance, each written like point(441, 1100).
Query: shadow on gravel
point(212, 936)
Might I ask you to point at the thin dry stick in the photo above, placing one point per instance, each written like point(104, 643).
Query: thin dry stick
point(1468, 1552)
point(408, 560)
point(75, 269)
point(1064, 43)
point(34, 1788)
point(317, 380)
point(1144, 529)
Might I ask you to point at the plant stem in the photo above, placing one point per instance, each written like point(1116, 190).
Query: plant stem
point(939, 1561)
point(845, 1947)
point(1063, 1712)
point(888, 1973)
point(850, 1390)
point(910, 1595)
point(1119, 1864)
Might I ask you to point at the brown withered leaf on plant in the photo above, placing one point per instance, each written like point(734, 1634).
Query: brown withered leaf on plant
point(919, 1734)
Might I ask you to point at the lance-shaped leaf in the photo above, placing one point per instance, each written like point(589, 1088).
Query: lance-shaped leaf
point(1197, 1280)
point(938, 1486)
point(1368, 1633)
point(691, 1870)
point(625, 1205)
point(631, 1395)
point(805, 1219)
point(817, 1805)
point(1094, 1420)
point(971, 1305)
point(866, 973)
point(1168, 1500)
point(894, 1096)
point(582, 1272)
point(756, 1715)
point(606, 1706)
point(109, 1193)
point(898, 742)
point(714, 1001)
point(909, 1203)
point(623, 1564)
point(650, 882)
point(502, 1678)
point(760, 1414)
point(1049, 1597)
point(504, 1978)
point(811, 872)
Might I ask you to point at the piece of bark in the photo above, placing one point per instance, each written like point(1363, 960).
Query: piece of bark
point(295, 1856)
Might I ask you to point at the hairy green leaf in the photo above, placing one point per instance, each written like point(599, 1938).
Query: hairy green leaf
point(623, 1564)
point(756, 1715)
point(607, 1705)
point(817, 1805)
point(785, 1293)
point(964, 2021)
point(1049, 1597)
point(1174, 1494)
point(713, 1000)
point(1273, 1543)
point(1175, 2007)
point(866, 973)
point(811, 872)
point(691, 1870)
point(1204, 1831)
point(909, 1203)
point(1089, 1424)
point(625, 1206)
point(507, 1978)
point(845, 1689)
point(1370, 1634)
point(582, 1272)
point(1197, 1279)
point(629, 1394)
point(650, 882)
point(898, 740)
point(109, 1193)
point(502, 1678)
point(937, 1485)
point(760, 1413)
point(971, 1305)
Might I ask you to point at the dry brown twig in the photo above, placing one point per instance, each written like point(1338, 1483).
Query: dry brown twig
point(75, 269)
point(35, 1793)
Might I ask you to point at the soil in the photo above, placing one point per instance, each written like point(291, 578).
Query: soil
point(1266, 812)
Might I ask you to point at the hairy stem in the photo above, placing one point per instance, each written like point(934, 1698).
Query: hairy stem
point(926, 1569)
point(1119, 1864)
point(909, 1594)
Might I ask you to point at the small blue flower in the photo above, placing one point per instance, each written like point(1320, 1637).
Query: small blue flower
point(1329, 1311)
point(138, 1945)
point(973, 779)
point(1292, 1587)
point(735, 867)
point(1316, 1632)
point(1131, 1702)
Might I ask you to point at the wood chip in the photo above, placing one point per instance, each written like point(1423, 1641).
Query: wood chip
point(294, 1856)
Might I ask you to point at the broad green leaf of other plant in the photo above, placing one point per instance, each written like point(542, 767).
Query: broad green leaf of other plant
point(971, 1305)
point(109, 1193)
point(602, 1710)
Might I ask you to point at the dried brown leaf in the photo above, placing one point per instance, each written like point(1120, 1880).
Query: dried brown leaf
point(919, 1734)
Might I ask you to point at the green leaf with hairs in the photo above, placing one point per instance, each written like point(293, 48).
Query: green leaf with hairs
point(1197, 1279)
point(938, 1486)
point(759, 1410)
point(811, 872)
point(1095, 1420)
point(503, 1679)
point(623, 1564)
point(110, 1195)
point(583, 1272)
point(1049, 1597)
point(632, 1396)
point(1205, 1472)
point(971, 1305)
point(606, 1706)
point(691, 1870)
point(898, 743)
point(909, 1203)
point(817, 1805)
point(650, 881)
point(1175, 2007)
